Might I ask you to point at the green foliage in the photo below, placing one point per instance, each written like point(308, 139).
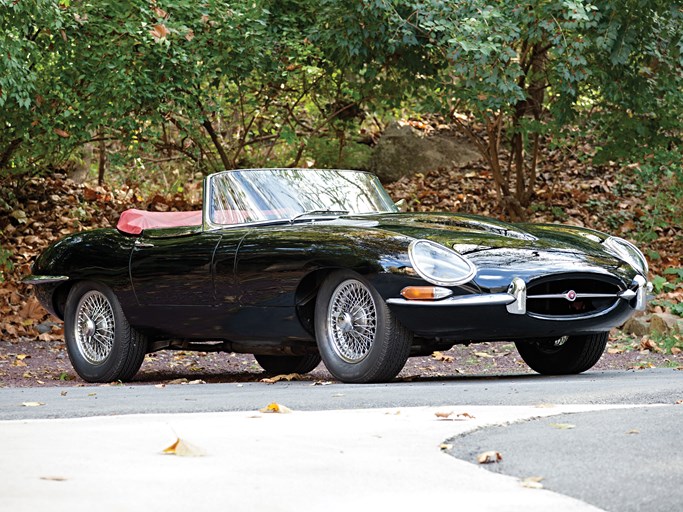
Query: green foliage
point(5, 263)
point(326, 153)
point(32, 49)
point(217, 84)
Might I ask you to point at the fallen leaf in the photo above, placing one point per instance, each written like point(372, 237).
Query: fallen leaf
point(278, 378)
point(445, 446)
point(54, 478)
point(182, 448)
point(483, 354)
point(563, 426)
point(646, 344)
point(489, 457)
point(32, 404)
point(276, 408)
point(633, 431)
point(439, 356)
point(446, 415)
point(533, 482)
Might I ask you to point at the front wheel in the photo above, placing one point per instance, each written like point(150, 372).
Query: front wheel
point(101, 344)
point(278, 365)
point(564, 356)
point(358, 337)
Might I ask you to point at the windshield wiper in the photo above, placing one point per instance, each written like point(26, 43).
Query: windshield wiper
point(318, 212)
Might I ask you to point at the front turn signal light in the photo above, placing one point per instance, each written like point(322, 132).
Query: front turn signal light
point(425, 292)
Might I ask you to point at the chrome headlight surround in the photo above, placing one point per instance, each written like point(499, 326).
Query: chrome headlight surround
point(438, 264)
point(626, 251)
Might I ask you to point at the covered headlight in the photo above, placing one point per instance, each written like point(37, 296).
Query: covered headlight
point(438, 264)
point(627, 252)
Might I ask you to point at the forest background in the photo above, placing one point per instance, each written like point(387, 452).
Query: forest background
point(574, 106)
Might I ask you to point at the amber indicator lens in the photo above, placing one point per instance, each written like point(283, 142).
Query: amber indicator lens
point(425, 292)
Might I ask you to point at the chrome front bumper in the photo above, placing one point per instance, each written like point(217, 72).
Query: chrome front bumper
point(516, 297)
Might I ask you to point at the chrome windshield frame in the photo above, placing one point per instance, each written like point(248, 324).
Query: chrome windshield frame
point(209, 224)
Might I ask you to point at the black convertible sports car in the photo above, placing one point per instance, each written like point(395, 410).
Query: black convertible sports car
point(296, 265)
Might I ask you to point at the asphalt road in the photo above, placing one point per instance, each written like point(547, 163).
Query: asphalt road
point(619, 460)
point(627, 458)
point(653, 386)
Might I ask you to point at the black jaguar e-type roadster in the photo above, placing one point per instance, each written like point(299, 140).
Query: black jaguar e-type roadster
point(296, 265)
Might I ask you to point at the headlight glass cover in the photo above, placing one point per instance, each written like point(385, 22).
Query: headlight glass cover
point(438, 264)
point(627, 252)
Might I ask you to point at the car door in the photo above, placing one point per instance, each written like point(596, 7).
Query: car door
point(171, 267)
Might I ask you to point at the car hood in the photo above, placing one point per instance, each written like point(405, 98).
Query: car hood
point(498, 248)
point(469, 233)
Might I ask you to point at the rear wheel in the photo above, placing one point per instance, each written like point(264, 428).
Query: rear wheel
point(278, 365)
point(358, 337)
point(101, 344)
point(564, 356)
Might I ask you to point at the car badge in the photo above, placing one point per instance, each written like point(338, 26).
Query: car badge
point(570, 295)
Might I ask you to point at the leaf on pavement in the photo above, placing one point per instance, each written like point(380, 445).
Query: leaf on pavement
point(563, 426)
point(533, 482)
point(182, 448)
point(278, 378)
point(489, 457)
point(32, 404)
point(440, 356)
point(446, 415)
point(483, 354)
point(54, 478)
point(445, 447)
point(633, 431)
point(276, 408)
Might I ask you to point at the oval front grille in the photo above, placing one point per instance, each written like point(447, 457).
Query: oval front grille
point(566, 296)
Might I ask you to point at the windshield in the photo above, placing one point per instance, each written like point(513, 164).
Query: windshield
point(237, 197)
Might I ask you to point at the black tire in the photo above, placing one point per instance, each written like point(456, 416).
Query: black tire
point(279, 365)
point(358, 337)
point(101, 344)
point(577, 354)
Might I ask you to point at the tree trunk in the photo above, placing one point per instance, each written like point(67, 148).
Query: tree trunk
point(9, 151)
point(102, 163)
point(217, 143)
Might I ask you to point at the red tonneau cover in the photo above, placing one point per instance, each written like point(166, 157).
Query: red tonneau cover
point(134, 221)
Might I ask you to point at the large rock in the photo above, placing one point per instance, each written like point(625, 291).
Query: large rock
point(666, 323)
point(636, 325)
point(402, 151)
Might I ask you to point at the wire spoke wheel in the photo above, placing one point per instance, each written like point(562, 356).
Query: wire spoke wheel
point(95, 327)
point(358, 337)
point(102, 345)
point(352, 321)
